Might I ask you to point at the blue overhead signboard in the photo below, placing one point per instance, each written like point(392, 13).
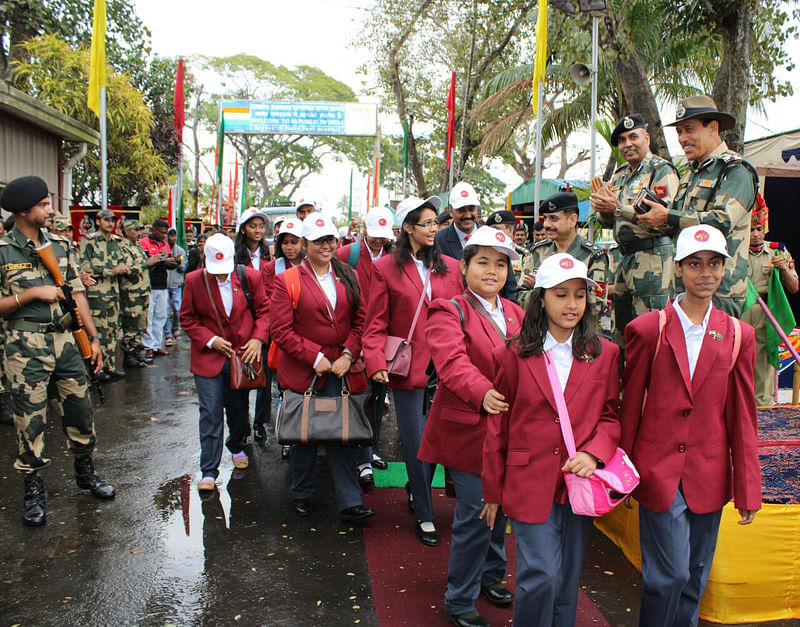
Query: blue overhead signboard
point(299, 118)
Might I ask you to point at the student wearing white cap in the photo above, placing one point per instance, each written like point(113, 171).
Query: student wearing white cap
point(361, 255)
point(218, 320)
point(319, 335)
point(402, 288)
point(462, 334)
point(524, 456)
point(692, 436)
point(304, 207)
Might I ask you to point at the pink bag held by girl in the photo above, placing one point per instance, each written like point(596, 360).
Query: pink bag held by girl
point(606, 487)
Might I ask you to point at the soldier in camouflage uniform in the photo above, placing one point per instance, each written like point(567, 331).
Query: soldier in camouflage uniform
point(643, 279)
point(134, 293)
point(38, 352)
point(560, 215)
point(101, 256)
point(718, 189)
point(506, 221)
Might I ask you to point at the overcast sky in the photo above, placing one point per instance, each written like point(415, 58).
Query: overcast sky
point(320, 33)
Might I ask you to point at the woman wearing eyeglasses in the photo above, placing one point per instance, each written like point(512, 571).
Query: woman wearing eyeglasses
point(416, 271)
point(320, 336)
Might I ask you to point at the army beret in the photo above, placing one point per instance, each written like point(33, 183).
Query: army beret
point(501, 217)
point(61, 223)
point(443, 217)
point(704, 108)
point(23, 193)
point(131, 224)
point(628, 123)
point(106, 213)
point(563, 201)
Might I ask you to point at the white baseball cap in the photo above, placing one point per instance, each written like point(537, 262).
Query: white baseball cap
point(249, 214)
point(318, 225)
point(494, 238)
point(413, 203)
point(700, 237)
point(559, 268)
point(343, 231)
point(305, 201)
point(463, 194)
point(293, 226)
point(379, 223)
point(278, 221)
point(219, 254)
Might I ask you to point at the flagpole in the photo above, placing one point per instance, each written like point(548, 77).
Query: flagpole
point(538, 181)
point(350, 199)
point(103, 151)
point(778, 329)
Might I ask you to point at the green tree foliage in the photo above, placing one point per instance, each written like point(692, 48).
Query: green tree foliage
point(58, 75)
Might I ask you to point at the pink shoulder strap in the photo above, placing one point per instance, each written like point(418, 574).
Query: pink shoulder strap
point(662, 321)
point(737, 341)
point(561, 405)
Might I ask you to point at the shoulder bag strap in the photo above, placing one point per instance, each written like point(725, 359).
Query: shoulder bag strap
point(213, 304)
point(353, 254)
point(662, 321)
point(561, 405)
point(737, 341)
point(291, 278)
point(460, 312)
point(482, 311)
point(242, 274)
point(419, 307)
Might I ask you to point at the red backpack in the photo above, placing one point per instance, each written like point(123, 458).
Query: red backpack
point(291, 278)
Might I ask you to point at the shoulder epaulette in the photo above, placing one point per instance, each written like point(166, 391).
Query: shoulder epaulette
point(621, 167)
point(544, 242)
point(730, 158)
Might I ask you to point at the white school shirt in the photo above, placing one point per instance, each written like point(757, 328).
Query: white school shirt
point(497, 314)
point(692, 333)
point(226, 293)
point(423, 273)
point(371, 256)
point(561, 354)
point(255, 257)
point(328, 284)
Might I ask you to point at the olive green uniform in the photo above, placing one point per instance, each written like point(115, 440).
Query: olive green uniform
point(99, 257)
point(595, 258)
point(644, 277)
point(37, 354)
point(720, 191)
point(759, 272)
point(134, 295)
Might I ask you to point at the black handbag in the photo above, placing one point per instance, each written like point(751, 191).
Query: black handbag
point(310, 419)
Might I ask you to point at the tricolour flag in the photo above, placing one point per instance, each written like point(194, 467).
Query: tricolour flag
point(451, 119)
point(540, 62)
point(97, 64)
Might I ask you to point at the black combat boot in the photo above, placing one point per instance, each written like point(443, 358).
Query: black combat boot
point(131, 361)
point(88, 479)
point(34, 515)
point(6, 409)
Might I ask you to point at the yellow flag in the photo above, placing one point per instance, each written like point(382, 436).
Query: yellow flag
point(540, 62)
point(97, 66)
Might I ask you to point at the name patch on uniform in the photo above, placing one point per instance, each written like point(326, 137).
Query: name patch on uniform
point(707, 183)
point(9, 267)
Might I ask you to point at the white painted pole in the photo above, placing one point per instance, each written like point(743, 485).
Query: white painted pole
point(103, 151)
point(595, 30)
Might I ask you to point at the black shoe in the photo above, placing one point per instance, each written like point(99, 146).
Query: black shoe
point(377, 462)
point(468, 619)
point(88, 479)
point(359, 512)
point(117, 374)
point(6, 409)
point(410, 497)
point(34, 515)
point(428, 538)
point(302, 508)
point(497, 594)
point(103, 376)
point(131, 361)
point(286, 451)
point(366, 479)
point(260, 431)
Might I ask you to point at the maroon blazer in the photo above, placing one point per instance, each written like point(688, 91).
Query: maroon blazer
point(303, 333)
point(200, 324)
point(523, 451)
point(698, 432)
point(363, 269)
point(456, 423)
point(394, 297)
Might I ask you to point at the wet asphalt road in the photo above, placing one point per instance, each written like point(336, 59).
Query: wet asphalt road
point(159, 555)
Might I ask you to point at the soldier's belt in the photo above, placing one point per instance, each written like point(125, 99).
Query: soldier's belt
point(639, 245)
point(20, 324)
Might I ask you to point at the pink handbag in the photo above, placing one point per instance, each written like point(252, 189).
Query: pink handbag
point(608, 486)
point(397, 350)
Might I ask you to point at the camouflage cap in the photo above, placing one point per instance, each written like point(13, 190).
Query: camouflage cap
point(61, 223)
point(106, 213)
point(131, 224)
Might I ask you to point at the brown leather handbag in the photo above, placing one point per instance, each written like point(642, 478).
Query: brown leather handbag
point(310, 419)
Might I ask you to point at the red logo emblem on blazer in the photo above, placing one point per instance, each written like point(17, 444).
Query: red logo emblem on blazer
point(701, 236)
point(219, 256)
point(567, 264)
point(501, 237)
point(382, 222)
point(464, 193)
point(320, 222)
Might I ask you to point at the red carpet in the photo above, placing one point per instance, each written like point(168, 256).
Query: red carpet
point(409, 579)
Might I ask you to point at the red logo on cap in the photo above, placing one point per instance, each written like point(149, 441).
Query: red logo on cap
point(701, 236)
point(219, 256)
point(501, 237)
point(567, 264)
point(290, 225)
point(382, 222)
point(320, 222)
point(464, 193)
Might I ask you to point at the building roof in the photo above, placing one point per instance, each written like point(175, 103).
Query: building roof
point(21, 105)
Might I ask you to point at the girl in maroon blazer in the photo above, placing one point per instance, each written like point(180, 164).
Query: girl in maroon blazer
point(524, 456)
point(398, 282)
point(322, 337)
point(693, 435)
point(216, 328)
point(462, 334)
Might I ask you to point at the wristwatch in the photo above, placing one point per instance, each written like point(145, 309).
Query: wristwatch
point(618, 210)
point(92, 338)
